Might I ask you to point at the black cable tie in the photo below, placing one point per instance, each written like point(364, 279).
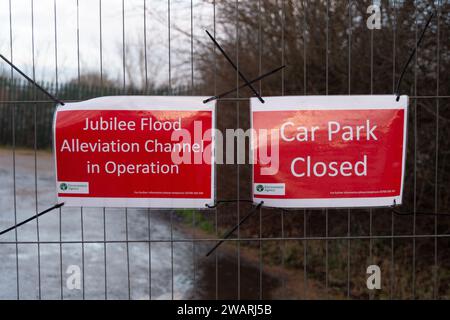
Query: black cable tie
point(235, 67)
point(244, 85)
point(48, 94)
point(230, 232)
point(56, 206)
point(227, 201)
point(419, 213)
point(397, 89)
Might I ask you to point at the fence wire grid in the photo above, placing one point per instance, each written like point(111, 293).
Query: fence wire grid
point(160, 254)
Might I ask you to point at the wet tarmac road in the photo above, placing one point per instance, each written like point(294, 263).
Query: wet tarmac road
point(130, 270)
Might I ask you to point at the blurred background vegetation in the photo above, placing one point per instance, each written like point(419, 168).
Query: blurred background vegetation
point(327, 49)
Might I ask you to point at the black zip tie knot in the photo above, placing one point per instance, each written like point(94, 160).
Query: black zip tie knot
point(235, 67)
point(419, 213)
point(227, 201)
point(244, 85)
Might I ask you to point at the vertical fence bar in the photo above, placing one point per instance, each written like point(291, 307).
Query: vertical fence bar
point(149, 221)
point(123, 49)
point(78, 51)
point(194, 212)
point(238, 193)
point(394, 64)
point(35, 151)
point(436, 176)
point(283, 243)
point(104, 254)
point(82, 256)
point(326, 92)
point(349, 31)
point(125, 92)
point(102, 89)
point(216, 253)
point(100, 43)
point(171, 253)
point(283, 26)
point(305, 242)
point(305, 255)
point(415, 157)
point(16, 89)
point(260, 252)
point(13, 131)
point(170, 92)
point(79, 97)
point(128, 254)
point(260, 208)
point(60, 254)
point(145, 48)
point(56, 94)
point(104, 209)
point(149, 211)
point(370, 209)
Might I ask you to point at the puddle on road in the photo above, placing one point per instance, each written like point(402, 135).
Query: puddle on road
point(134, 260)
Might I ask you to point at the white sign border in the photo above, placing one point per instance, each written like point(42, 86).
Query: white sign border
point(150, 103)
point(332, 102)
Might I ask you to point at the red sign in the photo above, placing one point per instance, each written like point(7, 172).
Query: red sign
point(135, 152)
point(330, 151)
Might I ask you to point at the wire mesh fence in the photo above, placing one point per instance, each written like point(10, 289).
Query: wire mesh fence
point(20, 93)
point(160, 254)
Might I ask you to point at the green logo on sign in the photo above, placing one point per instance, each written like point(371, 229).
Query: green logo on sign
point(259, 188)
point(63, 186)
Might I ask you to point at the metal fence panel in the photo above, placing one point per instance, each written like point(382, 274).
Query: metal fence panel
point(159, 254)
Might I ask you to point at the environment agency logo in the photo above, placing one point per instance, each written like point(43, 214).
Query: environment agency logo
point(73, 187)
point(273, 189)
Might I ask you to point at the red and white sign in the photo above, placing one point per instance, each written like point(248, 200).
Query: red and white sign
point(135, 152)
point(329, 151)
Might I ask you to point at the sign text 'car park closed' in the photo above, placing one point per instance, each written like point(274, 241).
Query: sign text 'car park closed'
point(329, 151)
